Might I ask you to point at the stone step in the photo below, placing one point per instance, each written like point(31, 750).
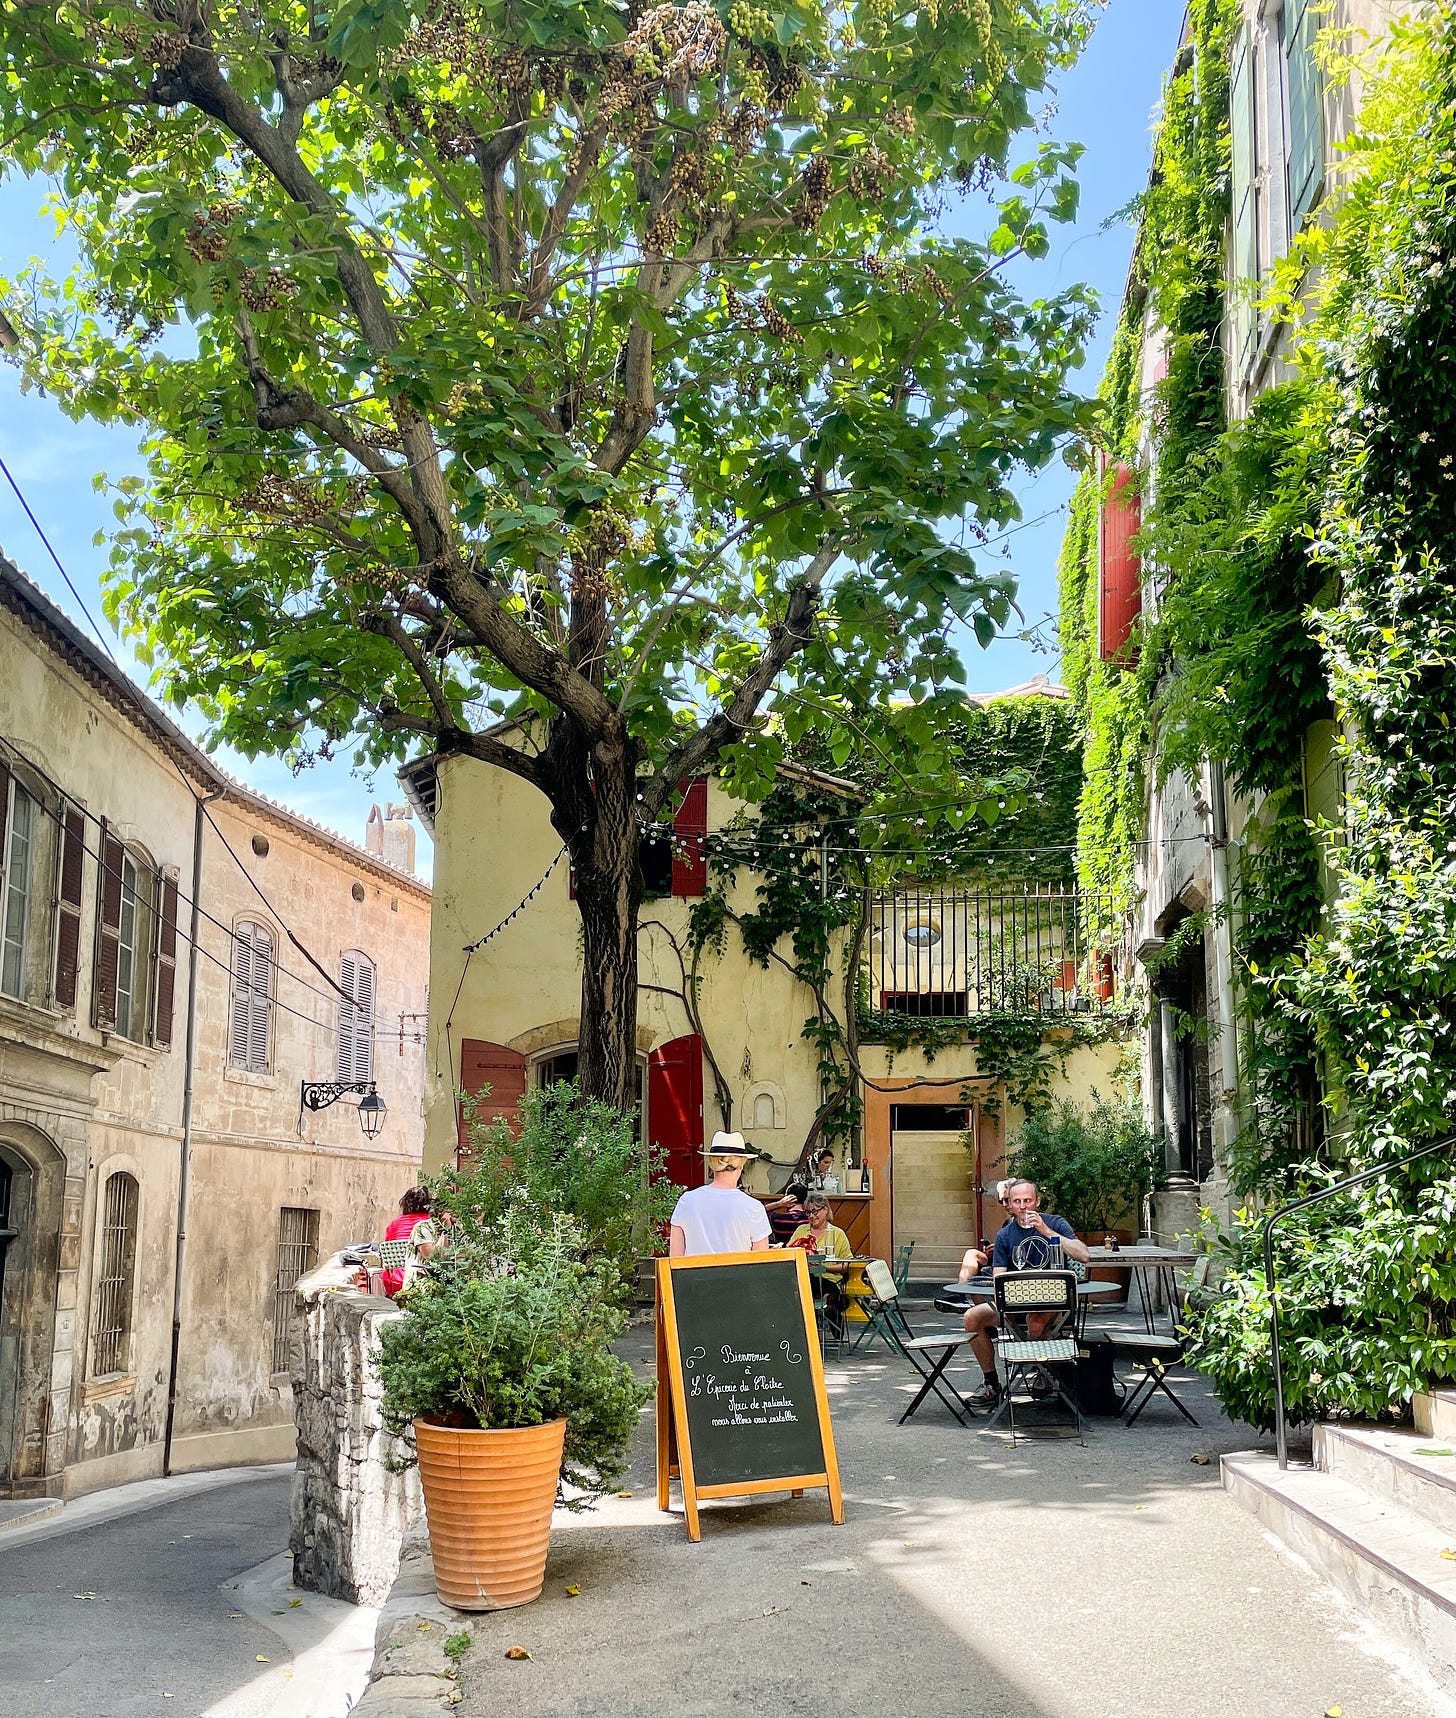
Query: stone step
point(1390, 1465)
point(1384, 1559)
point(1435, 1415)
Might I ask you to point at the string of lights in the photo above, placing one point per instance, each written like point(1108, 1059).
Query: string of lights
point(518, 909)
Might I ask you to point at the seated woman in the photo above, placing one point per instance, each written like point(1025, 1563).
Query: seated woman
point(786, 1213)
point(818, 1235)
point(413, 1225)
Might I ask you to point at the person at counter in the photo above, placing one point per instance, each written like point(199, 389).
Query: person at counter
point(720, 1217)
point(823, 1179)
point(1032, 1240)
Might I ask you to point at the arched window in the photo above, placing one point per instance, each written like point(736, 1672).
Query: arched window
point(251, 1031)
point(115, 1275)
point(356, 1017)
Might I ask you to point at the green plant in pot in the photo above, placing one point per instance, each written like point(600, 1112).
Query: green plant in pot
point(570, 1155)
point(501, 1368)
point(1093, 1167)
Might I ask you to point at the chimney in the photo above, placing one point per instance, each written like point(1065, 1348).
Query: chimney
point(374, 833)
point(398, 838)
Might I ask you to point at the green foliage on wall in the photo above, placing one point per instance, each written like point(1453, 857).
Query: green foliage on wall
point(1177, 280)
point(1367, 1282)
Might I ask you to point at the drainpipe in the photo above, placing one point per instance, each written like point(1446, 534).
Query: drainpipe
point(189, 1082)
point(1223, 939)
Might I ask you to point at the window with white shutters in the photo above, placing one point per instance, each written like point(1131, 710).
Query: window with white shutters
point(250, 1037)
point(356, 1017)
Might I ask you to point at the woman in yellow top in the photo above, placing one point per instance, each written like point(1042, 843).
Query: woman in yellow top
point(825, 1241)
point(819, 1235)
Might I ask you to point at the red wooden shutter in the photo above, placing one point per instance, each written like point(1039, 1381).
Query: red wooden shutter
point(689, 841)
point(1119, 583)
point(498, 1067)
point(675, 1108)
point(108, 931)
point(68, 906)
point(166, 959)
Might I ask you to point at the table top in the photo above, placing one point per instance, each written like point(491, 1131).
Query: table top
point(1142, 1256)
point(979, 1288)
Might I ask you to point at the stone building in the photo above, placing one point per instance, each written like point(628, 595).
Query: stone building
point(161, 1183)
point(720, 1037)
point(1286, 118)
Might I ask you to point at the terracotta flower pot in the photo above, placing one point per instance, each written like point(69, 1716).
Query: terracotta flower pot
point(488, 1499)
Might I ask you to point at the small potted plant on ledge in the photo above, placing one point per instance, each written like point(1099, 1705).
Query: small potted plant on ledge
point(1093, 1167)
point(502, 1370)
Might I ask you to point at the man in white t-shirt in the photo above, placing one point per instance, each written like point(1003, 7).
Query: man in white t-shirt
point(720, 1218)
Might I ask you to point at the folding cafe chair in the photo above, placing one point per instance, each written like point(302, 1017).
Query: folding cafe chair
point(1020, 1295)
point(929, 1355)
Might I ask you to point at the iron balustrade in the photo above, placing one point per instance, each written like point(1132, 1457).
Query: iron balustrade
point(953, 952)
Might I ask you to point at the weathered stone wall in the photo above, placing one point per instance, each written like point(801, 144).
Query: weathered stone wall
point(348, 1512)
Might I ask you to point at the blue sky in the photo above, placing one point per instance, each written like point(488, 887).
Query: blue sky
point(1106, 102)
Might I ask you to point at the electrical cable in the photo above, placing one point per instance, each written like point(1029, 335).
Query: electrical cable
point(283, 923)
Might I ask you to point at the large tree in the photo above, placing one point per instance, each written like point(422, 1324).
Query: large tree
point(583, 359)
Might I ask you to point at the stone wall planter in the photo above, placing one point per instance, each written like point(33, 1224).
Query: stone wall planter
point(489, 1497)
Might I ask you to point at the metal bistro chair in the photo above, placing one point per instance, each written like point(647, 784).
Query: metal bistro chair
point(864, 1338)
point(1157, 1355)
point(829, 1318)
point(929, 1355)
point(1019, 1295)
point(902, 1264)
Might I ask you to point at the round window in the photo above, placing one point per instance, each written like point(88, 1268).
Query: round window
point(924, 933)
point(260, 846)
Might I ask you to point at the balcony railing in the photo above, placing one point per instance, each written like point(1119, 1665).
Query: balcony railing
point(952, 953)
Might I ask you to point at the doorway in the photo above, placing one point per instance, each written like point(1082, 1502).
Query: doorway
point(934, 1181)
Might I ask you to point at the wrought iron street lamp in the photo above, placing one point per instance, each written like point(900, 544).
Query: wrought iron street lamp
point(319, 1094)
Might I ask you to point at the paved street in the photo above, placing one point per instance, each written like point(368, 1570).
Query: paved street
point(1112, 1582)
point(126, 1615)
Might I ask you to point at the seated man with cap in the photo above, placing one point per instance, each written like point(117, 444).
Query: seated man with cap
point(720, 1217)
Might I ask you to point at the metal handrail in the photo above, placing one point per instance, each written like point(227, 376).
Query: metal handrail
point(1281, 1438)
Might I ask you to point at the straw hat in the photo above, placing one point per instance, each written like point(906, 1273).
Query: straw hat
point(729, 1145)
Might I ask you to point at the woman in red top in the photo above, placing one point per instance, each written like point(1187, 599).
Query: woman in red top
point(414, 1209)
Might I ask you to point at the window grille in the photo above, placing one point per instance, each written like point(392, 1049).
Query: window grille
point(112, 1338)
point(356, 1017)
point(298, 1231)
point(252, 999)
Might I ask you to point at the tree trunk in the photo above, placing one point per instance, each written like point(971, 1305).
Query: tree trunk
point(603, 837)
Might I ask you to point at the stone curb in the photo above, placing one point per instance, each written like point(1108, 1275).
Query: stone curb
point(412, 1675)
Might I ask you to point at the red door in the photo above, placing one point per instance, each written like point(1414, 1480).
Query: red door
point(500, 1068)
point(675, 1108)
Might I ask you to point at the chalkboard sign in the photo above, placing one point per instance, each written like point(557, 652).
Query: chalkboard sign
point(741, 1405)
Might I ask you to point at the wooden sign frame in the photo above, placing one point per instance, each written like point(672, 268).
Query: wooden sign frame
point(674, 1442)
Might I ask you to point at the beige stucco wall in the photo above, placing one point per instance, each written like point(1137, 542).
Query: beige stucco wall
point(76, 1105)
point(493, 841)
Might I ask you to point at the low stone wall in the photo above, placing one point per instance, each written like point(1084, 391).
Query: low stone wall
point(348, 1512)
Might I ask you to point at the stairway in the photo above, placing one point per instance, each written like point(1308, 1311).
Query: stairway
point(1376, 1515)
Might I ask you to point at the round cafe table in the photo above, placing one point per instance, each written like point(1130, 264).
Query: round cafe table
point(956, 1297)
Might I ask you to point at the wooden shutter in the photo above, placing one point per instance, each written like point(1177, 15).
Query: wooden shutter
point(1244, 261)
point(689, 841)
point(1306, 119)
point(241, 1016)
point(108, 931)
point(4, 826)
point(356, 1018)
point(252, 998)
point(500, 1073)
point(260, 1000)
point(675, 1108)
point(1119, 582)
point(70, 881)
point(166, 958)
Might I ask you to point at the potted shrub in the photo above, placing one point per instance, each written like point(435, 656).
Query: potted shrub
point(501, 1370)
point(1093, 1167)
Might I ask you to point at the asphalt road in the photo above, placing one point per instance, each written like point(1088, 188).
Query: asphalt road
point(125, 1616)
